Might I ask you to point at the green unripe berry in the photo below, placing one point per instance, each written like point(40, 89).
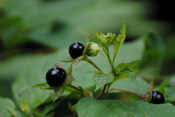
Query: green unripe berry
point(93, 50)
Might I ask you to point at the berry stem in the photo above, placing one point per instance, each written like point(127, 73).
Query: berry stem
point(138, 95)
point(79, 89)
point(93, 64)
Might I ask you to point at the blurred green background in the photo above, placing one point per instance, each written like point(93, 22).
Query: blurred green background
point(34, 34)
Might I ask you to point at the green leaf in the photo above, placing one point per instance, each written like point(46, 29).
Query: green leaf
point(8, 108)
point(153, 54)
point(32, 74)
point(138, 86)
point(127, 70)
point(88, 107)
point(102, 79)
point(133, 66)
point(119, 40)
point(169, 94)
point(163, 85)
point(96, 32)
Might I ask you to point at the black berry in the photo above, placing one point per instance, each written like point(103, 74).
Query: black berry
point(76, 49)
point(55, 77)
point(157, 98)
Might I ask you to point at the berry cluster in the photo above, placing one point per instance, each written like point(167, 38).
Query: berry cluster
point(56, 76)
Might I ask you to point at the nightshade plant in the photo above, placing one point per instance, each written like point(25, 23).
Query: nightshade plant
point(103, 81)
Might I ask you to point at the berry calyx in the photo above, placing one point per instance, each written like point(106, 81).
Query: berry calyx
point(76, 49)
point(157, 98)
point(55, 77)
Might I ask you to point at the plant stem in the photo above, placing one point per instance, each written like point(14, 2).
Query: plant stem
point(103, 92)
point(79, 89)
point(110, 62)
point(118, 89)
point(93, 64)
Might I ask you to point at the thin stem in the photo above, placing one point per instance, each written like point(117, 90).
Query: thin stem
point(103, 92)
point(111, 64)
point(114, 58)
point(93, 64)
point(118, 89)
point(77, 88)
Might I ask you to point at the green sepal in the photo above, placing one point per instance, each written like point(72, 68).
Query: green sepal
point(69, 59)
point(43, 86)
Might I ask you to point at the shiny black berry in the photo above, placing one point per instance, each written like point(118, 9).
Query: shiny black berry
point(157, 98)
point(55, 77)
point(76, 49)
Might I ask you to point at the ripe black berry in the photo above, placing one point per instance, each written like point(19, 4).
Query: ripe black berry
point(55, 77)
point(76, 49)
point(157, 98)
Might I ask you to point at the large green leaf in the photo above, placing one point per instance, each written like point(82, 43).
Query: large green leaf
point(8, 108)
point(88, 107)
point(30, 75)
point(170, 94)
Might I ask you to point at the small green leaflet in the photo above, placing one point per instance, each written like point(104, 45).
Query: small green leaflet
point(126, 70)
point(127, 74)
point(102, 79)
point(120, 39)
point(163, 85)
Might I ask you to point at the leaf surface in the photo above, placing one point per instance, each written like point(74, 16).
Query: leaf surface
point(8, 108)
point(102, 79)
point(88, 107)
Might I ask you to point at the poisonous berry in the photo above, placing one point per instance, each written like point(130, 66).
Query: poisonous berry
point(76, 49)
point(55, 77)
point(157, 98)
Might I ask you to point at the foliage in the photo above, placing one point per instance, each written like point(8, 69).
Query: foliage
point(94, 86)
